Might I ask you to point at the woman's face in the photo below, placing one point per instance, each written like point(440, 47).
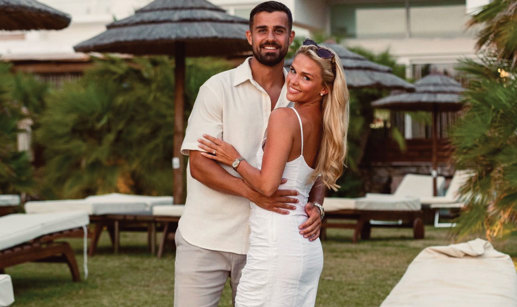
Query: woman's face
point(304, 80)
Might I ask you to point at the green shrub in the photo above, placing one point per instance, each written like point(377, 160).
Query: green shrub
point(112, 130)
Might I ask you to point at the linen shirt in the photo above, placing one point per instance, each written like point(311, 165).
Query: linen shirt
point(234, 107)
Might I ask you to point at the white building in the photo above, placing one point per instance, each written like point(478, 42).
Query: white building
point(417, 32)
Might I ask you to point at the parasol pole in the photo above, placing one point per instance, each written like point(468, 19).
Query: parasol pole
point(178, 164)
point(434, 171)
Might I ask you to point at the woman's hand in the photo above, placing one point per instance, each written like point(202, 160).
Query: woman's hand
point(218, 150)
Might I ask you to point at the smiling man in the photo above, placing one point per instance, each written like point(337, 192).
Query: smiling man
point(212, 236)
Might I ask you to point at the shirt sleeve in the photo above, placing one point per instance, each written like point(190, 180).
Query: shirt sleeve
point(206, 118)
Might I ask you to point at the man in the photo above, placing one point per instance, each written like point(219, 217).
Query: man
point(212, 236)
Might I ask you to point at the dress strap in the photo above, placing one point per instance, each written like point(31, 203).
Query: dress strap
point(301, 128)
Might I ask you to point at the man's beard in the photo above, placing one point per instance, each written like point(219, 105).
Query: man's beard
point(270, 59)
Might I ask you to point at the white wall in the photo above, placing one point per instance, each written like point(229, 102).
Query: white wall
point(89, 18)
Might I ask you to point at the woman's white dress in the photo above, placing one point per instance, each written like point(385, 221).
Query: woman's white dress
point(282, 267)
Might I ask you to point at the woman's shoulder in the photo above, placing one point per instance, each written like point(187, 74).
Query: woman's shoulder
point(284, 113)
point(283, 119)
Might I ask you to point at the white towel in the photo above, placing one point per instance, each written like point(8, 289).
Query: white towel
point(466, 274)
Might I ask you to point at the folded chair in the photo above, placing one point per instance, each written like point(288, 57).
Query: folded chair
point(471, 274)
point(30, 237)
point(114, 212)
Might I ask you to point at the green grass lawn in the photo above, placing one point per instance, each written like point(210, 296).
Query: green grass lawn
point(354, 274)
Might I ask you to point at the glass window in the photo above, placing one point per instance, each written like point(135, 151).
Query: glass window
point(380, 22)
point(438, 20)
point(368, 21)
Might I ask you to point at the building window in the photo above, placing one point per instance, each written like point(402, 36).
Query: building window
point(437, 20)
point(396, 20)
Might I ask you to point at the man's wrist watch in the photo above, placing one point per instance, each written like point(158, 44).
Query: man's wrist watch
point(236, 163)
point(319, 206)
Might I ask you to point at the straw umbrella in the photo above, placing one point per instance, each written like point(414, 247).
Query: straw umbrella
point(361, 72)
point(30, 15)
point(180, 28)
point(435, 93)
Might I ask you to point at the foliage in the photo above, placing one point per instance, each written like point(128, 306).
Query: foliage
point(499, 28)
point(15, 167)
point(112, 130)
point(486, 143)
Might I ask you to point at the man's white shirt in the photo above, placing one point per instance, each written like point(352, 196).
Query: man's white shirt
point(234, 107)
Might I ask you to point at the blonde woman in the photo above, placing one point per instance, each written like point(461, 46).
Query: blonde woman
point(302, 143)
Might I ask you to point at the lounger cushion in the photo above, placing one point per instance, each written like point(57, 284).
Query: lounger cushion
point(170, 210)
point(6, 290)
point(9, 200)
point(465, 274)
point(418, 185)
point(16, 229)
point(373, 203)
point(101, 204)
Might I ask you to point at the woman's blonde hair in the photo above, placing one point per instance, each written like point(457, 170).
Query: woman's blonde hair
point(332, 153)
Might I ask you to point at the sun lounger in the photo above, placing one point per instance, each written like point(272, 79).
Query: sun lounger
point(466, 274)
point(364, 210)
point(169, 216)
point(8, 203)
point(115, 212)
point(30, 237)
point(451, 201)
point(6, 290)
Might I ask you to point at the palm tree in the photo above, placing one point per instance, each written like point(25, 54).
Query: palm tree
point(485, 139)
point(498, 20)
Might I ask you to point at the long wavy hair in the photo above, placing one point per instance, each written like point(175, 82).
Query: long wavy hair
point(335, 106)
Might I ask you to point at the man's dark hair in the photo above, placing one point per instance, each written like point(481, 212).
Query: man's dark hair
point(270, 7)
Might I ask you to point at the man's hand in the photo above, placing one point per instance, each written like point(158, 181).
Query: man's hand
point(278, 203)
point(311, 227)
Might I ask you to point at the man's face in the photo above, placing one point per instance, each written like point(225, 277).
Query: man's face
point(270, 37)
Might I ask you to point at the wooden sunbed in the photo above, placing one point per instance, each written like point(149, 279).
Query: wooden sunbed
point(113, 212)
point(168, 216)
point(33, 239)
point(359, 214)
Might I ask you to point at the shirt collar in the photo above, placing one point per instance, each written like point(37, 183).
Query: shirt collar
point(243, 73)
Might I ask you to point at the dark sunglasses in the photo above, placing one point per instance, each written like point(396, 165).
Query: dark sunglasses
point(322, 52)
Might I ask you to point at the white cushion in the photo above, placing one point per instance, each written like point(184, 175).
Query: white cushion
point(452, 195)
point(170, 210)
point(9, 200)
point(114, 203)
point(418, 185)
point(48, 206)
point(19, 228)
point(6, 290)
point(373, 202)
point(466, 274)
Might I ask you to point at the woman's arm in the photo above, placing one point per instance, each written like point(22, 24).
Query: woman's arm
point(280, 136)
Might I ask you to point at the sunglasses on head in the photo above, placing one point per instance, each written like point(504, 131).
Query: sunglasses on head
point(322, 52)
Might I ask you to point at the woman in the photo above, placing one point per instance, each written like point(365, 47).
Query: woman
point(302, 143)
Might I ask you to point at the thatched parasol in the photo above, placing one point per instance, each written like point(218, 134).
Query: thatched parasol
point(361, 72)
point(435, 93)
point(180, 28)
point(30, 15)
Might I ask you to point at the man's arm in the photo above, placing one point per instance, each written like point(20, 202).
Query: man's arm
point(312, 226)
point(211, 174)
